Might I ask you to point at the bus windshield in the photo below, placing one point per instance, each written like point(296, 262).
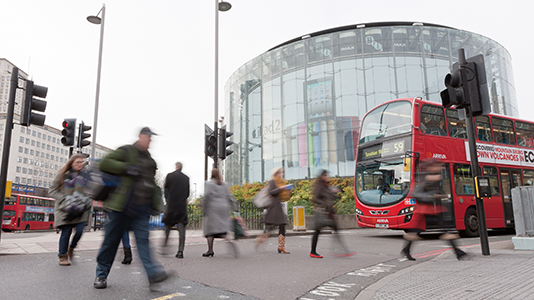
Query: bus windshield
point(387, 120)
point(382, 182)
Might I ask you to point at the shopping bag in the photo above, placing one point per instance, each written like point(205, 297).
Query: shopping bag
point(263, 199)
point(240, 229)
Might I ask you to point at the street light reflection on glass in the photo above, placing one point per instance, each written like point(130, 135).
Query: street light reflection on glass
point(98, 21)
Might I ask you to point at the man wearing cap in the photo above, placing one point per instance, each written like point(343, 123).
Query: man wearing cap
point(130, 206)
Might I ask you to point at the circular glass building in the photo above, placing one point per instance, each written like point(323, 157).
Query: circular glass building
point(299, 105)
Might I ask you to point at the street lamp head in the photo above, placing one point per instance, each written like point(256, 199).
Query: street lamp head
point(224, 6)
point(94, 19)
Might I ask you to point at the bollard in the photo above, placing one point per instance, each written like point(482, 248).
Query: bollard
point(299, 218)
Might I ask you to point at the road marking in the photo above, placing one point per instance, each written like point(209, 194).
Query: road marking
point(170, 296)
point(372, 270)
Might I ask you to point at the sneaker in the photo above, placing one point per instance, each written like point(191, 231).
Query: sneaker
point(100, 283)
point(316, 255)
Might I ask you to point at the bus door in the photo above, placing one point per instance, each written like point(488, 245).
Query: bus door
point(446, 218)
point(509, 180)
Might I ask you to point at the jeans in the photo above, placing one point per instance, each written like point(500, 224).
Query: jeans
point(126, 239)
point(66, 231)
point(119, 223)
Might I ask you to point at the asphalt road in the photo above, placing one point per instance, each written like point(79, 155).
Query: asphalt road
point(262, 274)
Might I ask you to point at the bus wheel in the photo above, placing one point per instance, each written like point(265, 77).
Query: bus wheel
point(27, 227)
point(471, 223)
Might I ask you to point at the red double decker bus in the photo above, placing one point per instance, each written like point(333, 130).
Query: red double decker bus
point(398, 135)
point(26, 212)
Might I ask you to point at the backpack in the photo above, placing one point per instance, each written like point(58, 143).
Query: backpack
point(101, 184)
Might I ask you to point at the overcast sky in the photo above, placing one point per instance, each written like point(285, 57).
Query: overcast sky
point(158, 61)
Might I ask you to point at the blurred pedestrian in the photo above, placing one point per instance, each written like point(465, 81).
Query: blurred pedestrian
point(323, 197)
point(72, 206)
point(127, 248)
point(216, 204)
point(176, 193)
point(130, 206)
point(275, 216)
point(425, 197)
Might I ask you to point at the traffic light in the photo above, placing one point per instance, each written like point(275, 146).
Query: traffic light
point(468, 86)
point(478, 86)
point(454, 94)
point(68, 132)
point(82, 135)
point(29, 103)
point(223, 143)
point(211, 142)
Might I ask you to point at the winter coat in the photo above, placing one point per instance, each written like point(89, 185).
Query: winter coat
point(216, 203)
point(275, 215)
point(116, 163)
point(60, 214)
point(176, 193)
point(323, 196)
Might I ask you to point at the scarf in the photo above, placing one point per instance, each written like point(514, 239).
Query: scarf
point(284, 194)
point(75, 182)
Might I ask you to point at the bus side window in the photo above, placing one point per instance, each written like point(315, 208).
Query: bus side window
point(525, 134)
point(433, 120)
point(483, 129)
point(491, 172)
point(463, 179)
point(503, 130)
point(457, 127)
point(528, 177)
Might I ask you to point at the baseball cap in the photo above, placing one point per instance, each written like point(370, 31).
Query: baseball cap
point(147, 131)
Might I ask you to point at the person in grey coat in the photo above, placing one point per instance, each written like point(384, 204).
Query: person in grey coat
point(72, 206)
point(216, 203)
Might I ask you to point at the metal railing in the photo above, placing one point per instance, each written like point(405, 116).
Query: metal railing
point(252, 216)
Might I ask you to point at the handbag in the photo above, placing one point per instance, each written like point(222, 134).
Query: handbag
point(75, 205)
point(322, 218)
point(263, 199)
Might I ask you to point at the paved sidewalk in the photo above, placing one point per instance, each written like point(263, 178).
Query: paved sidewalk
point(504, 274)
point(48, 241)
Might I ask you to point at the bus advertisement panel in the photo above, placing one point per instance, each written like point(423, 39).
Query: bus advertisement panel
point(398, 135)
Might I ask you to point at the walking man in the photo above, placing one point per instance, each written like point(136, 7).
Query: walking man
point(130, 206)
point(176, 193)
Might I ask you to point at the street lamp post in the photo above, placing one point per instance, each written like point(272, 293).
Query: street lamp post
point(219, 6)
point(99, 21)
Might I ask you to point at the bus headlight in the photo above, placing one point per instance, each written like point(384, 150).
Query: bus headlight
point(407, 210)
point(359, 212)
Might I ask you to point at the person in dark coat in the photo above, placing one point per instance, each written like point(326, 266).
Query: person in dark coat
point(275, 215)
point(176, 193)
point(323, 197)
point(216, 204)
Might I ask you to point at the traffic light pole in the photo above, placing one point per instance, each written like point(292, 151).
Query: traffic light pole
point(7, 137)
point(475, 169)
point(215, 157)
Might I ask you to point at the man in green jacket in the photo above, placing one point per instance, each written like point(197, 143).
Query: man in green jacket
point(130, 206)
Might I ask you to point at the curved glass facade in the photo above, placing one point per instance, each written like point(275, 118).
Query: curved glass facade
point(299, 105)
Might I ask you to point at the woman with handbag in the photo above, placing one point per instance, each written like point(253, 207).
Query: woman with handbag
point(72, 205)
point(275, 216)
point(324, 196)
point(216, 203)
